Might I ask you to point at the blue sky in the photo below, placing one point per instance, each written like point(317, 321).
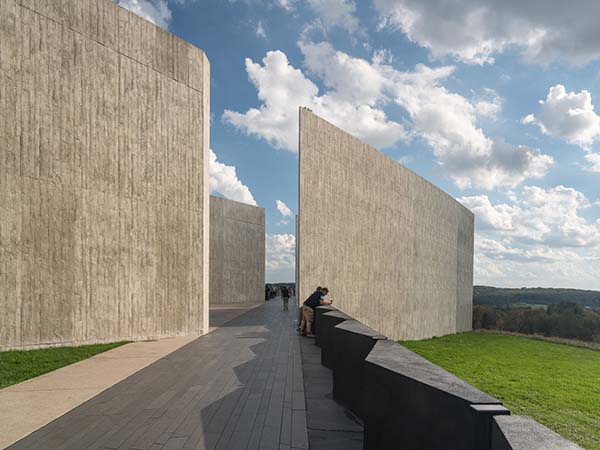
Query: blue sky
point(492, 101)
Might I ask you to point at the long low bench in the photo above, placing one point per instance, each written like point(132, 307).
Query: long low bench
point(523, 433)
point(352, 342)
point(327, 322)
point(407, 402)
point(410, 400)
point(319, 311)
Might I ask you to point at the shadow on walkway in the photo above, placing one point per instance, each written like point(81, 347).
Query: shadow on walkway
point(241, 386)
point(330, 425)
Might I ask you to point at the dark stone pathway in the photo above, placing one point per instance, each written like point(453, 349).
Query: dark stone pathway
point(330, 426)
point(239, 387)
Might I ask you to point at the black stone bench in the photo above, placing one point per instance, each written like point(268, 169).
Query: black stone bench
point(409, 402)
point(352, 342)
point(327, 322)
point(523, 433)
point(319, 311)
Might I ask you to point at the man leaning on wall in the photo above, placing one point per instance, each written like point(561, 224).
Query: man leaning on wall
point(309, 306)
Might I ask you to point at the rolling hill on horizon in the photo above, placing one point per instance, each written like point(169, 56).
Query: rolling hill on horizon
point(493, 296)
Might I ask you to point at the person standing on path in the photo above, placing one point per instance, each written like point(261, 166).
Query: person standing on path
point(285, 296)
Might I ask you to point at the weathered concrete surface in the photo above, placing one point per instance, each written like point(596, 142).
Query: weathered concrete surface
point(237, 252)
point(104, 137)
point(395, 251)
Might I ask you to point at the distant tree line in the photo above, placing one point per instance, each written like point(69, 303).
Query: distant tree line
point(564, 319)
point(506, 297)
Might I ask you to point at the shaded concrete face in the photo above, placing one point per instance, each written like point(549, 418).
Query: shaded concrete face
point(103, 176)
point(395, 251)
point(237, 252)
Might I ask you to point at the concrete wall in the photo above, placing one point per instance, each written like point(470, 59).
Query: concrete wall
point(237, 252)
point(395, 251)
point(104, 138)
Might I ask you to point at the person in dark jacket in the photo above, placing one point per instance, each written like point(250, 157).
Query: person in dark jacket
point(315, 299)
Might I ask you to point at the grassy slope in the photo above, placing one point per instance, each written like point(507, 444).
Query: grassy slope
point(17, 366)
point(557, 385)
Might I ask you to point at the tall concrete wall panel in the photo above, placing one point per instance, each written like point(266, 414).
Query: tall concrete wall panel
point(104, 137)
point(237, 252)
point(395, 251)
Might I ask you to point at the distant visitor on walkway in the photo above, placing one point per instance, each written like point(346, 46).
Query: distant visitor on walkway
point(285, 297)
point(315, 299)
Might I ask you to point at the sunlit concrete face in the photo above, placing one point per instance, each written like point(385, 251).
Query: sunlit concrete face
point(104, 140)
point(237, 252)
point(395, 251)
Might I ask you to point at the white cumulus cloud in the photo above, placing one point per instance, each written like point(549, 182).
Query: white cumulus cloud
point(569, 116)
point(488, 105)
point(357, 92)
point(283, 209)
point(282, 89)
point(501, 264)
point(499, 217)
point(155, 11)
point(550, 217)
point(499, 250)
point(280, 257)
point(539, 238)
point(280, 251)
point(223, 179)
point(594, 160)
point(448, 123)
point(474, 31)
point(336, 13)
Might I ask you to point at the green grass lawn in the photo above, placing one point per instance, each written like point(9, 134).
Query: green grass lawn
point(20, 365)
point(557, 385)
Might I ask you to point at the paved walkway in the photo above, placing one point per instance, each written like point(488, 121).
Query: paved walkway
point(242, 386)
point(221, 314)
point(32, 404)
point(239, 387)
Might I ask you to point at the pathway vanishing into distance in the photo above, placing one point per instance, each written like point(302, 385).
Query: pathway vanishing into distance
point(239, 387)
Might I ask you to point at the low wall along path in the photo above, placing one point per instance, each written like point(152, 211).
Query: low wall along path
point(408, 402)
